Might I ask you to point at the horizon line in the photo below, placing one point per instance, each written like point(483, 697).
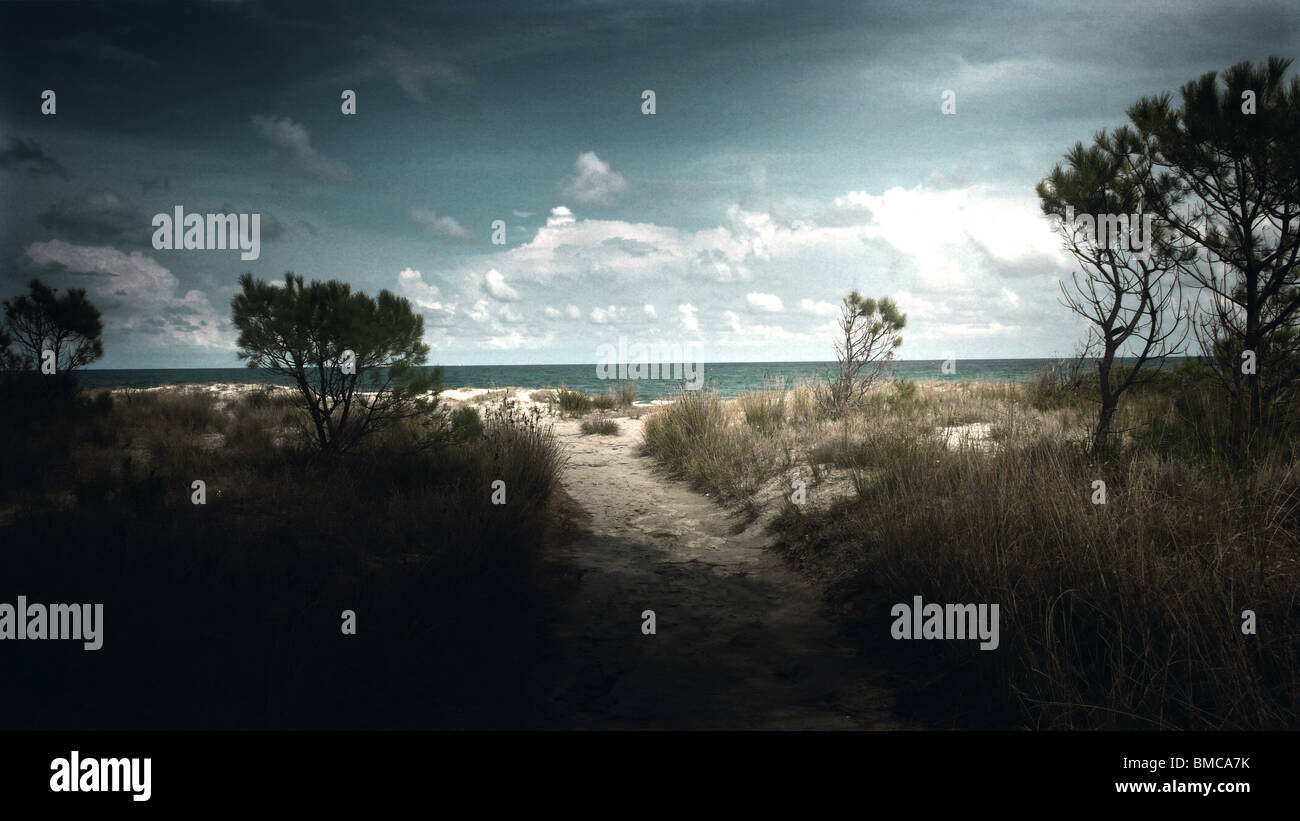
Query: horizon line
point(593, 364)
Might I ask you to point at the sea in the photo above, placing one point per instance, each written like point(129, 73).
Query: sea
point(729, 379)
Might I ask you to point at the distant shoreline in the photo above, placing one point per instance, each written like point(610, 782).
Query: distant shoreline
point(728, 379)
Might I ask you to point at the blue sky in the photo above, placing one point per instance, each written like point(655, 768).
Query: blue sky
point(798, 151)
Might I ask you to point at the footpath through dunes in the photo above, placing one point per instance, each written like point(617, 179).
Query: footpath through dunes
point(742, 641)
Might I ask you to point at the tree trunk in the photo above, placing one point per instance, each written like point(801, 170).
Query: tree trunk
point(1101, 437)
point(1109, 401)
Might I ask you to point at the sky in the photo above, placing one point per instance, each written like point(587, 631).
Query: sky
point(797, 151)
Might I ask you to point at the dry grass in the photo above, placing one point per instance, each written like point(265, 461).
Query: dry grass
point(603, 427)
point(577, 403)
point(1123, 615)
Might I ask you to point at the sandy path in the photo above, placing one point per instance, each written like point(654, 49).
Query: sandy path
point(742, 641)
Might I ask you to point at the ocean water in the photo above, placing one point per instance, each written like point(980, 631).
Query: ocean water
point(728, 378)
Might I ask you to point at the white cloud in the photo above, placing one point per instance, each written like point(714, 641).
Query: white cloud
point(689, 321)
point(293, 140)
point(139, 296)
point(444, 228)
point(764, 302)
point(819, 308)
point(497, 287)
point(649, 310)
point(593, 182)
point(508, 342)
point(423, 294)
point(965, 262)
point(514, 340)
point(560, 215)
point(769, 333)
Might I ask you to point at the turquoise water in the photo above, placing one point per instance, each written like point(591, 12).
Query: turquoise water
point(728, 378)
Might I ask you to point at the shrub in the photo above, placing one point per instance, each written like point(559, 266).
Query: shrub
point(466, 425)
point(627, 393)
point(605, 427)
point(574, 403)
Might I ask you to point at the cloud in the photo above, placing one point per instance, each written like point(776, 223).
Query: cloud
point(293, 140)
point(415, 75)
point(423, 294)
point(507, 342)
point(560, 217)
point(569, 248)
point(650, 311)
point(946, 256)
point(497, 287)
point(689, 321)
point(271, 228)
point(97, 46)
point(593, 183)
point(513, 340)
point(137, 295)
point(446, 229)
point(163, 183)
point(773, 333)
point(490, 313)
point(98, 217)
point(27, 155)
point(819, 308)
point(522, 214)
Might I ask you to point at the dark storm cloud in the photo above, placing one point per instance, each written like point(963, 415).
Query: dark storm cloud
point(96, 216)
point(26, 155)
point(271, 227)
point(156, 184)
point(98, 46)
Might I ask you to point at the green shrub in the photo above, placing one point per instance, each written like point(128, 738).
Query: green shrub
point(574, 403)
point(466, 425)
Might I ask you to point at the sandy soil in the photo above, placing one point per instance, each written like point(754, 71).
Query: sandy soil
point(742, 641)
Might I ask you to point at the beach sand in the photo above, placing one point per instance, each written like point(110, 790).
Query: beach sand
point(742, 641)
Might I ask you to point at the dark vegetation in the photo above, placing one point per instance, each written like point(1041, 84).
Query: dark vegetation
point(229, 614)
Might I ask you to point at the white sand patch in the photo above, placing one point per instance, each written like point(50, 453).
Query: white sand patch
point(482, 398)
point(976, 435)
